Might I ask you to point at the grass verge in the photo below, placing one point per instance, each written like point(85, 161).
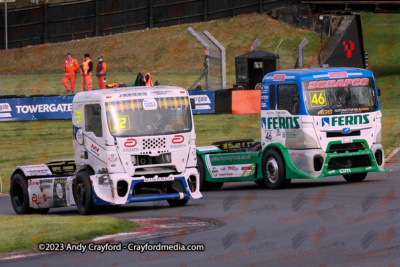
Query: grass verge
point(39, 229)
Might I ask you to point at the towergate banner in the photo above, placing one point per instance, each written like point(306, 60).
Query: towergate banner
point(60, 107)
point(36, 108)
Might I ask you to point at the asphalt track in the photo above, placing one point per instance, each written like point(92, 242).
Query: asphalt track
point(326, 222)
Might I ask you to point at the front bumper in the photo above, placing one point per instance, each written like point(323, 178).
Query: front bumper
point(300, 163)
point(108, 189)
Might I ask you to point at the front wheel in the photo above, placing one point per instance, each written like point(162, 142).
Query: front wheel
point(355, 177)
point(273, 170)
point(83, 193)
point(177, 202)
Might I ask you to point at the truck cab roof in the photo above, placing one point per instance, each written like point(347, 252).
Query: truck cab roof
point(126, 93)
point(315, 73)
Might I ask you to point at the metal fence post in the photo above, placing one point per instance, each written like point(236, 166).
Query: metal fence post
point(151, 14)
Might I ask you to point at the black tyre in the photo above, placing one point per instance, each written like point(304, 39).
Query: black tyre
point(204, 185)
point(83, 193)
point(177, 202)
point(261, 183)
point(274, 171)
point(19, 194)
point(20, 197)
point(355, 177)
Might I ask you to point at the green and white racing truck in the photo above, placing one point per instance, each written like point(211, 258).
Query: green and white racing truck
point(315, 123)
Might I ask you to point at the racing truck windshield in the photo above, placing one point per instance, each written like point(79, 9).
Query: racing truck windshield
point(150, 116)
point(340, 96)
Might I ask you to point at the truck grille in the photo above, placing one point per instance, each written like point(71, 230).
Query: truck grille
point(157, 188)
point(154, 143)
point(151, 171)
point(339, 134)
point(349, 162)
point(351, 147)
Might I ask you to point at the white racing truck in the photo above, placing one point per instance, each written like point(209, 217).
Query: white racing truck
point(130, 145)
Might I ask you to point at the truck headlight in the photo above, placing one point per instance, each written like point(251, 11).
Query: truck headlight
point(134, 161)
point(166, 158)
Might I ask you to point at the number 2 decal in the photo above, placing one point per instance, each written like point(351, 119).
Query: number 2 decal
point(119, 123)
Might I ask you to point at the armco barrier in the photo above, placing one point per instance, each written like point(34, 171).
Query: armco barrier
point(60, 107)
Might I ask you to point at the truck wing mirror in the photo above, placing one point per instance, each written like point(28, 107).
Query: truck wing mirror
point(79, 136)
point(379, 91)
point(192, 103)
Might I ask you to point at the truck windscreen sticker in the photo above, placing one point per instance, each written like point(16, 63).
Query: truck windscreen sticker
point(318, 98)
point(118, 123)
point(337, 83)
point(138, 104)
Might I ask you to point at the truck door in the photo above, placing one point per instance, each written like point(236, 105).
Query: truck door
point(94, 144)
point(269, 114)
point(288, 123)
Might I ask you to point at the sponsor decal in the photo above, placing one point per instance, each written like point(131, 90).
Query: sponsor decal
point(5, 107)
point(59, 190)
point(158, 179)
point(149, 104)
point(345, 171)
point(112, 158)
point(131, 142)
point(348, 48)
point(337, 74)
point(44, 108)
point(242, 170)
point(281, 122)
point(157, 93)
point(279, 77)
point(95, 149)
point(338, 83)
point(34, 198)
point(297, 154)
point(178, 139)
point(345, 120)
point(133, 94)
point(350, 110)
point(325, 112)
point(346, 130)
point(201, 99)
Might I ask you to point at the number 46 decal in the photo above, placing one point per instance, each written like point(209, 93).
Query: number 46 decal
point(318, 98)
